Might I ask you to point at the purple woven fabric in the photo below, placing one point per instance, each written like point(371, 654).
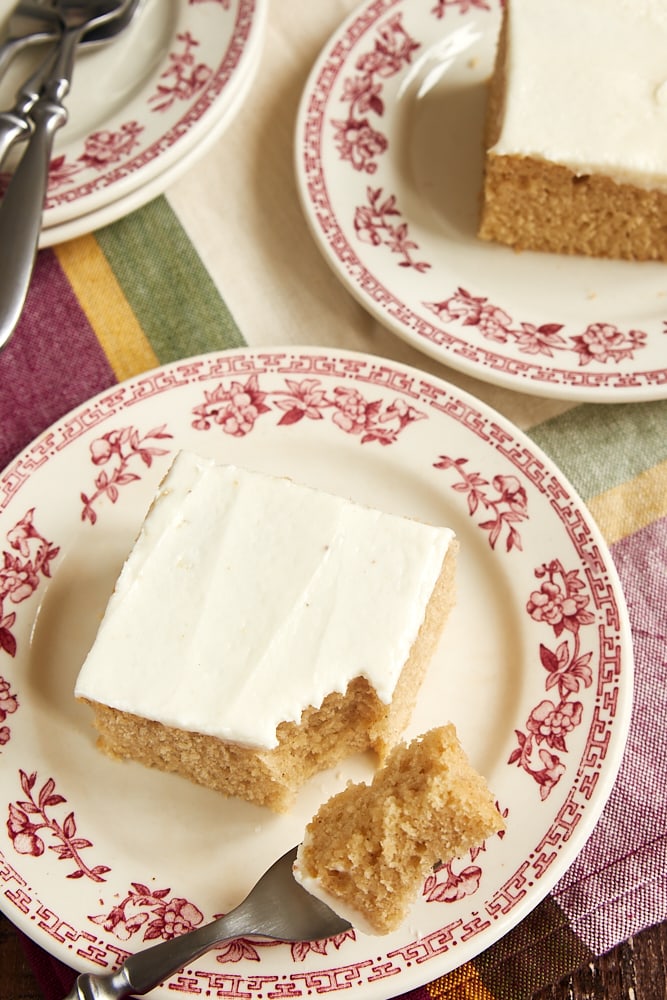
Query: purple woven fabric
point(618, 882)
point(51, 364)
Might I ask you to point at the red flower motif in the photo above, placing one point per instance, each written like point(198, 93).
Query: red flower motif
point(124, 927)
point(120, 447)
point(235, 409)
point(105, 147)
point(557, 608)
point(20, 574)
point(604, 342)
point(179, 917)
point(601, 342)
point(303, 399)
point(8, 702)
point(359, 143)
point(561, 604)
point(30, 814)
point(351, 410)
point(552, 723)
point(17, 580)
point(23, 833)
point(511, 493)
point(550, 774)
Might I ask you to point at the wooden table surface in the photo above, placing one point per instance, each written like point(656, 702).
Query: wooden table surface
point(635, 970)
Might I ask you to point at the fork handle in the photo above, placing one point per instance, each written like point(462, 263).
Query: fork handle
point(21, 214)
point(143, 971)
point(15, 121)
point(13, 126)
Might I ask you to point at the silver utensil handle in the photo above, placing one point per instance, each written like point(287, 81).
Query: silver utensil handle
point(21, 213)
point(145, 970)
point(13, 126)
point(15, 121)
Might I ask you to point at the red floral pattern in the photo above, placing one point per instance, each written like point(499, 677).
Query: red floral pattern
point(358, 141)
point(237, 406)
point(22, 568)
point(184, 76)
point(447, 885)
point(374, 224)
point(118, 448)
point(152, 912)
point(562, 604)
point(507, 507)
point(601, 342)
point(8, 705)
point(464, 6)
point(29, 820)
point(246, 949)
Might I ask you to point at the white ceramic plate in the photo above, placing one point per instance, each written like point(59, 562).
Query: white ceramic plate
point(389, 167)
point(92, 221)
point(535, 667)
point(143, 107)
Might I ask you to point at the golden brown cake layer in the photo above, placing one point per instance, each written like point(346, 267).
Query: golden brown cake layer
point(371, 846)
point(344, 724)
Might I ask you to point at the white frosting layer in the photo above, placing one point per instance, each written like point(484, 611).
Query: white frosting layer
point(587, 87)
point(248, 598)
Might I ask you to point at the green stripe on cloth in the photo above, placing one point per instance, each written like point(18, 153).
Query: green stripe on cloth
point(628, 440)
point(169, 289)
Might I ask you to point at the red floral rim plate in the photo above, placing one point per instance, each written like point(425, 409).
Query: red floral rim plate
point(100, 857)
point(171, 83)
point(389, 158)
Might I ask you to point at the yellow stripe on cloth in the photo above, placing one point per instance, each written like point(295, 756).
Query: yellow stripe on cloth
point(463, 983)
point(102, 299)
point(627, 508)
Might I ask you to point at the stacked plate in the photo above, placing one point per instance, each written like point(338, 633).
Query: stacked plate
point(389, 157)
point(144, 107)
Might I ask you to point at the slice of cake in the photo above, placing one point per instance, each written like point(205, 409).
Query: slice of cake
point(368, 849)
point(261, 630)
point(577, 129)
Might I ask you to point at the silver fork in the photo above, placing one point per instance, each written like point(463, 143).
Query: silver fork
point(15, 122)
point(277, 908)
point(23, 203)
point(30, 23)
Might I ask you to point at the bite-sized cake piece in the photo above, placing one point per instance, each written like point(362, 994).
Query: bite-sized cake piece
point(261, 630)
point(368, 849)
point(577, 129)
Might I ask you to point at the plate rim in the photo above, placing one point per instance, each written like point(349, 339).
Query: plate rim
point(621, 718)
point(366, 285)
point(107, 199)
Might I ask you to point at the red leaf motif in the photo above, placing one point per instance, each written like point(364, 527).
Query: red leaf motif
point(80, 842)
point(237, 951)
point(292, 416)
point(7, 641)
point(153, 931)
point(69, 826)
point(548, 659)
point(62, 850)
point(141, 889)
point(53, 800)
point(28, 781)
